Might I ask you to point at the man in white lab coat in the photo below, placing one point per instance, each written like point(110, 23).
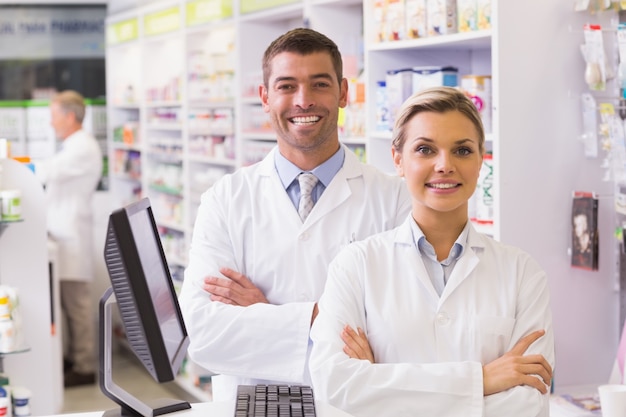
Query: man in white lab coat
point(71, 177)
point(256, 267)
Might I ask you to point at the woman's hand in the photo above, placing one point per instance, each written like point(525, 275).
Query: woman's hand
point(513, 369)
point(356, 344)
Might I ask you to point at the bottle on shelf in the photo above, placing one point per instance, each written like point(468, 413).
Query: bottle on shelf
point(7, 327)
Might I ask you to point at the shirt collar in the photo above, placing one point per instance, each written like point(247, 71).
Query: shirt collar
point(287, 171)
point(427, 249)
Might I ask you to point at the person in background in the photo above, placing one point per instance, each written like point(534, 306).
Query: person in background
point(433, 318)
point(70, 178)
point(258, 264)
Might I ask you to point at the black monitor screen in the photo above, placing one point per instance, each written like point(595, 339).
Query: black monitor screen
point(158, 280)
point(148, 306)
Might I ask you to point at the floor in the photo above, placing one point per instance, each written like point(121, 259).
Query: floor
point(129, 375)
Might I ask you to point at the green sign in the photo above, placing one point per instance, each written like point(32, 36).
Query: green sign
point(124, 31)
point(167, 20)
point(247, 6)
point(12, 103)
point(203, 11)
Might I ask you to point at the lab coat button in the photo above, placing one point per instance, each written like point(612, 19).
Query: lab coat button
point(304, 236)
point(442, 319)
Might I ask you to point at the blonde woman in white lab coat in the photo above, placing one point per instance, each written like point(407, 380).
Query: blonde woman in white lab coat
point(256, 267)
point(71, 177)
point(434, 318)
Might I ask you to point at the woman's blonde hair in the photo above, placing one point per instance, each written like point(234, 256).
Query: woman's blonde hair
point(438, 100)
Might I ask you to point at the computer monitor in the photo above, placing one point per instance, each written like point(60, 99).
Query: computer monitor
point(148, 307)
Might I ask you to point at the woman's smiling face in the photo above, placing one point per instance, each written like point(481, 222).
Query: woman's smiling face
point(440, 161)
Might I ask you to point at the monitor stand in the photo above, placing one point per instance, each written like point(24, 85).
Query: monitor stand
point(130, 405)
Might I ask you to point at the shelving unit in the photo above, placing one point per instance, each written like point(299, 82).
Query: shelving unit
point(24, 266)
point(4, 224)
point(536, 68)
point(470, 52)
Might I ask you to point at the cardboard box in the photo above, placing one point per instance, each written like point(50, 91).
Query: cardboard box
point(415, 13)
point(467, 11)
point(395, 20)
point(441, 17)
point(484, 14)
point(380, 21)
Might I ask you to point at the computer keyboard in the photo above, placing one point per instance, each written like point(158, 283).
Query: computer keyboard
point(274, 401)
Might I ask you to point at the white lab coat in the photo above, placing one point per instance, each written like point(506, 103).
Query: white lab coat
point(247, 222)
point(428, 350)
point(71, 177)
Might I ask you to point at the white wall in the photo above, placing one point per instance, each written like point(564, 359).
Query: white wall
point(540, 125)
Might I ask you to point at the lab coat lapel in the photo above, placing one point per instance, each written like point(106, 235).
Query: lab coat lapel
point(414, 260)
point(465, 265)
point(274, 191)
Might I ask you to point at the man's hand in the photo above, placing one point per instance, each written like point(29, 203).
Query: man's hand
point(513, 369)
point(237, 290)
point(314, 314)
point(356, 344)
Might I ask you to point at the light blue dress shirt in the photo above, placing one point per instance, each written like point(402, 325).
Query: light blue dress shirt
point(439, 272)
point(325, 172)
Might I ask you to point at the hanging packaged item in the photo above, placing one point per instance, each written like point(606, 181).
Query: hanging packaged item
point(585, 247)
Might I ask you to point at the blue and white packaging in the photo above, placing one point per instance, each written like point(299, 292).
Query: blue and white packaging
point(434, 76)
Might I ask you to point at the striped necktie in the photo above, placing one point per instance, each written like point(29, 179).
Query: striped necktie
point(307, 183)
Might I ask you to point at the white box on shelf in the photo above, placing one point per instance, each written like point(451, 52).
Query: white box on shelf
point(441, 17)
point(399, 88)
point(433, 76)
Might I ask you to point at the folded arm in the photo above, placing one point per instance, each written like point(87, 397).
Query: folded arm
point(229, 325)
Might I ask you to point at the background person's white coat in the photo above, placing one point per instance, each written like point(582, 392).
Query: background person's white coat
point(71, 177)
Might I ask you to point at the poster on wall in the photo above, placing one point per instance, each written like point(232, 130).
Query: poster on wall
point(585, 231)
